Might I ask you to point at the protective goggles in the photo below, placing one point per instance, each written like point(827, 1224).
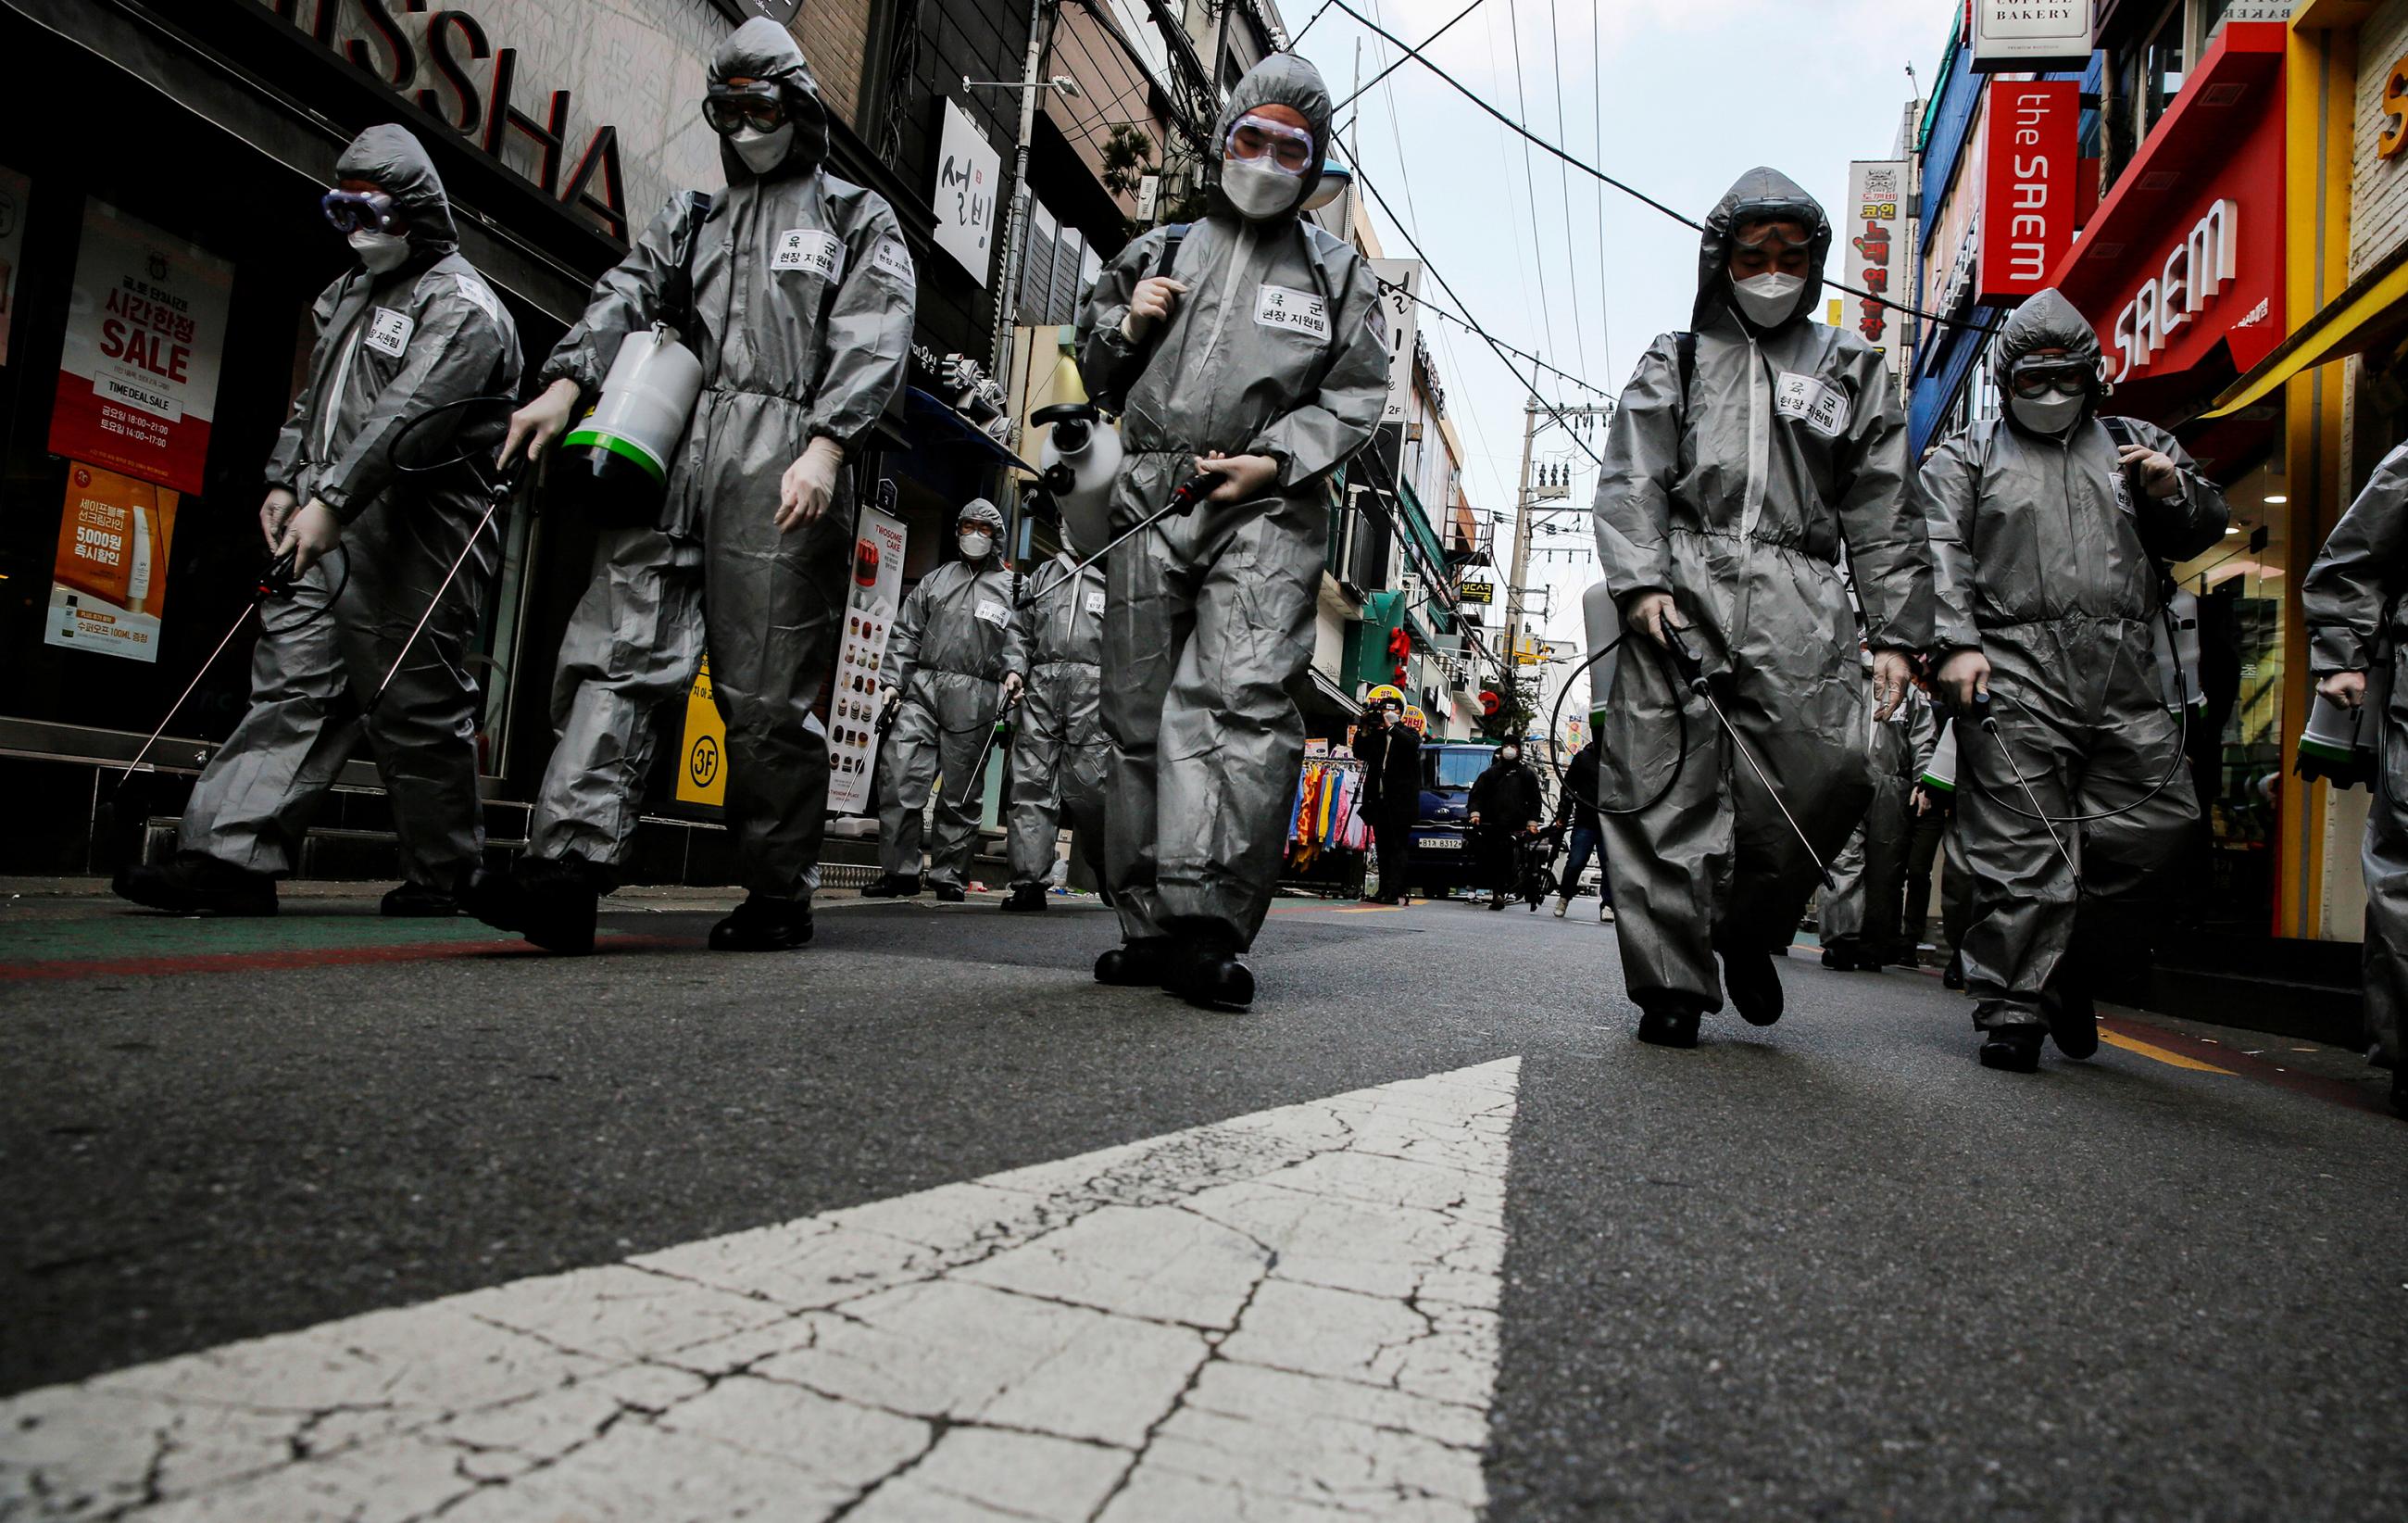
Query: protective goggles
point(1772, 234)
point(359, 211)
point(758, 107)
point(2034, 378)
point(1255, 139)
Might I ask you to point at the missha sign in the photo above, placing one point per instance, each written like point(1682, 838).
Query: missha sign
point(597, 106)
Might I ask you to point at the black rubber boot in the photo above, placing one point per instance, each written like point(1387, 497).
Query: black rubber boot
point(2072, 1017)
point(1754, 986)
point(1953, 976)
point(1206, 972)
point(950, 894)
point(1839, 957)
point(1136, 965)
point(195, 883)
point(1024, 898)
point(892, 885)
point(555, 903)
point(764, 923)
point(1669, 1023)
point(416, 901)
point(2013, 1049)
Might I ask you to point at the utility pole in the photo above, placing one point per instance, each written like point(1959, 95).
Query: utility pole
point(1521, 568)
point(1001, 363)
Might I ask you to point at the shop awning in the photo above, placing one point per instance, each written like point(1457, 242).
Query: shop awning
point(1333, 694)
point(933, 423)
point(2374, 309)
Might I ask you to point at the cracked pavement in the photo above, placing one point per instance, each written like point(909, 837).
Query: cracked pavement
point(923, 1224)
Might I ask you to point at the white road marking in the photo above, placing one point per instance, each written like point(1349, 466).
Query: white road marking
point(1291, 1315)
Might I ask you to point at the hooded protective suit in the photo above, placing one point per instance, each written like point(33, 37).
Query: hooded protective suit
point(389, 347)
point(795, 291)
point(2355, 623)
point(1279, 348)
point(1059, 753)
point(2048, 563)
point(946, 657)
point(1862, 917)
point(1737, 493)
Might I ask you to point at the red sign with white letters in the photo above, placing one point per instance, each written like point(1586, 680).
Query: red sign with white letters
point(2032, 162)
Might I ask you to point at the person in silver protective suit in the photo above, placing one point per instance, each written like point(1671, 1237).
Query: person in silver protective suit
point(2352, 600)
point(414, 328)
point(2051, 529)
point(1861, 919)
point(1745, 457)
point(1258, 352)
point(945, 668)
point(1059, 752)
point(795, 289)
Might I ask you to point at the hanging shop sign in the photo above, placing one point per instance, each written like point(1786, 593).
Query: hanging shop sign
point(1484, 593)
point(1401, 289)
point(15, 189)
point(2020, 34)
point(1876, 253)
point(968, 169)
point(872, 600)
point(108, 583)
point(138, 376)
point(2031, 158)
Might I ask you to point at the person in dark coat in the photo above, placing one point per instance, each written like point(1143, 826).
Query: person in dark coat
point(1391, 752)
point(1576, 818)
point(1506, 805)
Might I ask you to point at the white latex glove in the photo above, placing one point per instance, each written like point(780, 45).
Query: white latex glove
point(1148, 304)
point(1011, 688)
point(1243, 477)
point(275, 514)
point(808, 485)
point(2347, 689)
point(541, 421)
point(312, 532)
point(1962, 675)
point(1892, 677)
point(1652, 612)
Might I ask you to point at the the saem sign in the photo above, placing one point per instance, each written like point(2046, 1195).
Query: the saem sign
point(2032, 155)
point(2191, 282)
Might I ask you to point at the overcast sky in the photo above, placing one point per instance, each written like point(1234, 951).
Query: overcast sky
point(1677, 98)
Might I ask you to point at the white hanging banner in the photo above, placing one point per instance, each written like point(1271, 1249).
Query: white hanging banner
point(968, 169)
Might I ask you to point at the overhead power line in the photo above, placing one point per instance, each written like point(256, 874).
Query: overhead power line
point(1436, 309)
point(1410, 52)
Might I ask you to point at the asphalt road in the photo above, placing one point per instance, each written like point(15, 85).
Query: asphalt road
point(1831, 1270)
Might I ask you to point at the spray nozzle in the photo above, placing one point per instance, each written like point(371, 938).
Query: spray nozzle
point(275, 578)
point(1685, 659)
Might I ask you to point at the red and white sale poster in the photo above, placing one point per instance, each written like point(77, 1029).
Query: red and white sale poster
point(870, 605)
point(145, 324)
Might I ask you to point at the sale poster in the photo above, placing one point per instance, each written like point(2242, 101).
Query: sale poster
point(146, 325)
point(872, 598)
point(15, 189)
point(108, 583)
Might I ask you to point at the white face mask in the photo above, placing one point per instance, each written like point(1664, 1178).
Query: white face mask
point(2051, 414)
point(1768, 299)
point(1509, 756)
point(1258, 189)
point(761, 151)
point(381, 251)
point(975, 546)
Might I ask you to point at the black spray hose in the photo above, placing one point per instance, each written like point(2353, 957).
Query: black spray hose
point(1680, 716)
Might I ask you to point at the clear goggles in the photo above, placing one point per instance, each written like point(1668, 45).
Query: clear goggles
point(2033, 379)
point(731, 110)
point(1255, 139)
point(1772, 235)
point(359, 211)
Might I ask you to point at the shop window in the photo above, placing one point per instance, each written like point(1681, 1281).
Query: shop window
point(1056, 266)
point(2162, 65)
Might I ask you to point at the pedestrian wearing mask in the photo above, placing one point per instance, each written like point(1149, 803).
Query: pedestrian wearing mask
point(2352, 600)
point(1506, 808)
point(1576, 818)
point(795, 289)
point(2051, 527)
point(412, 330)
point(1391, 752)
point(950, 685)
point(1060, 755)
point(1255, 349)
point(1745, 457)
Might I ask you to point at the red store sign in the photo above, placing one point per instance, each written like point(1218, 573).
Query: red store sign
point(2186, 255)
point(2031, 160)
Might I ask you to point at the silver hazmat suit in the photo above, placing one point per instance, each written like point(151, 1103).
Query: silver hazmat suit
point(2352, 600)
point(389, 347)
point(1865, 913)
point(1279, 348)
point(1738, 499)
point(944, 659)
point(1059, 752)
point(798, 303)
point(2046, 563)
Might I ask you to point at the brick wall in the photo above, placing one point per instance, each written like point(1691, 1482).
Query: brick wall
point(2379, 198)
point(834, 34)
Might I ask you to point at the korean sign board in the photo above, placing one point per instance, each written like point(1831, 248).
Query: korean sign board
point(1876, 254)
point(968, 170)
point(1400, 281)
point(2027, 34)
point(2030, 176)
